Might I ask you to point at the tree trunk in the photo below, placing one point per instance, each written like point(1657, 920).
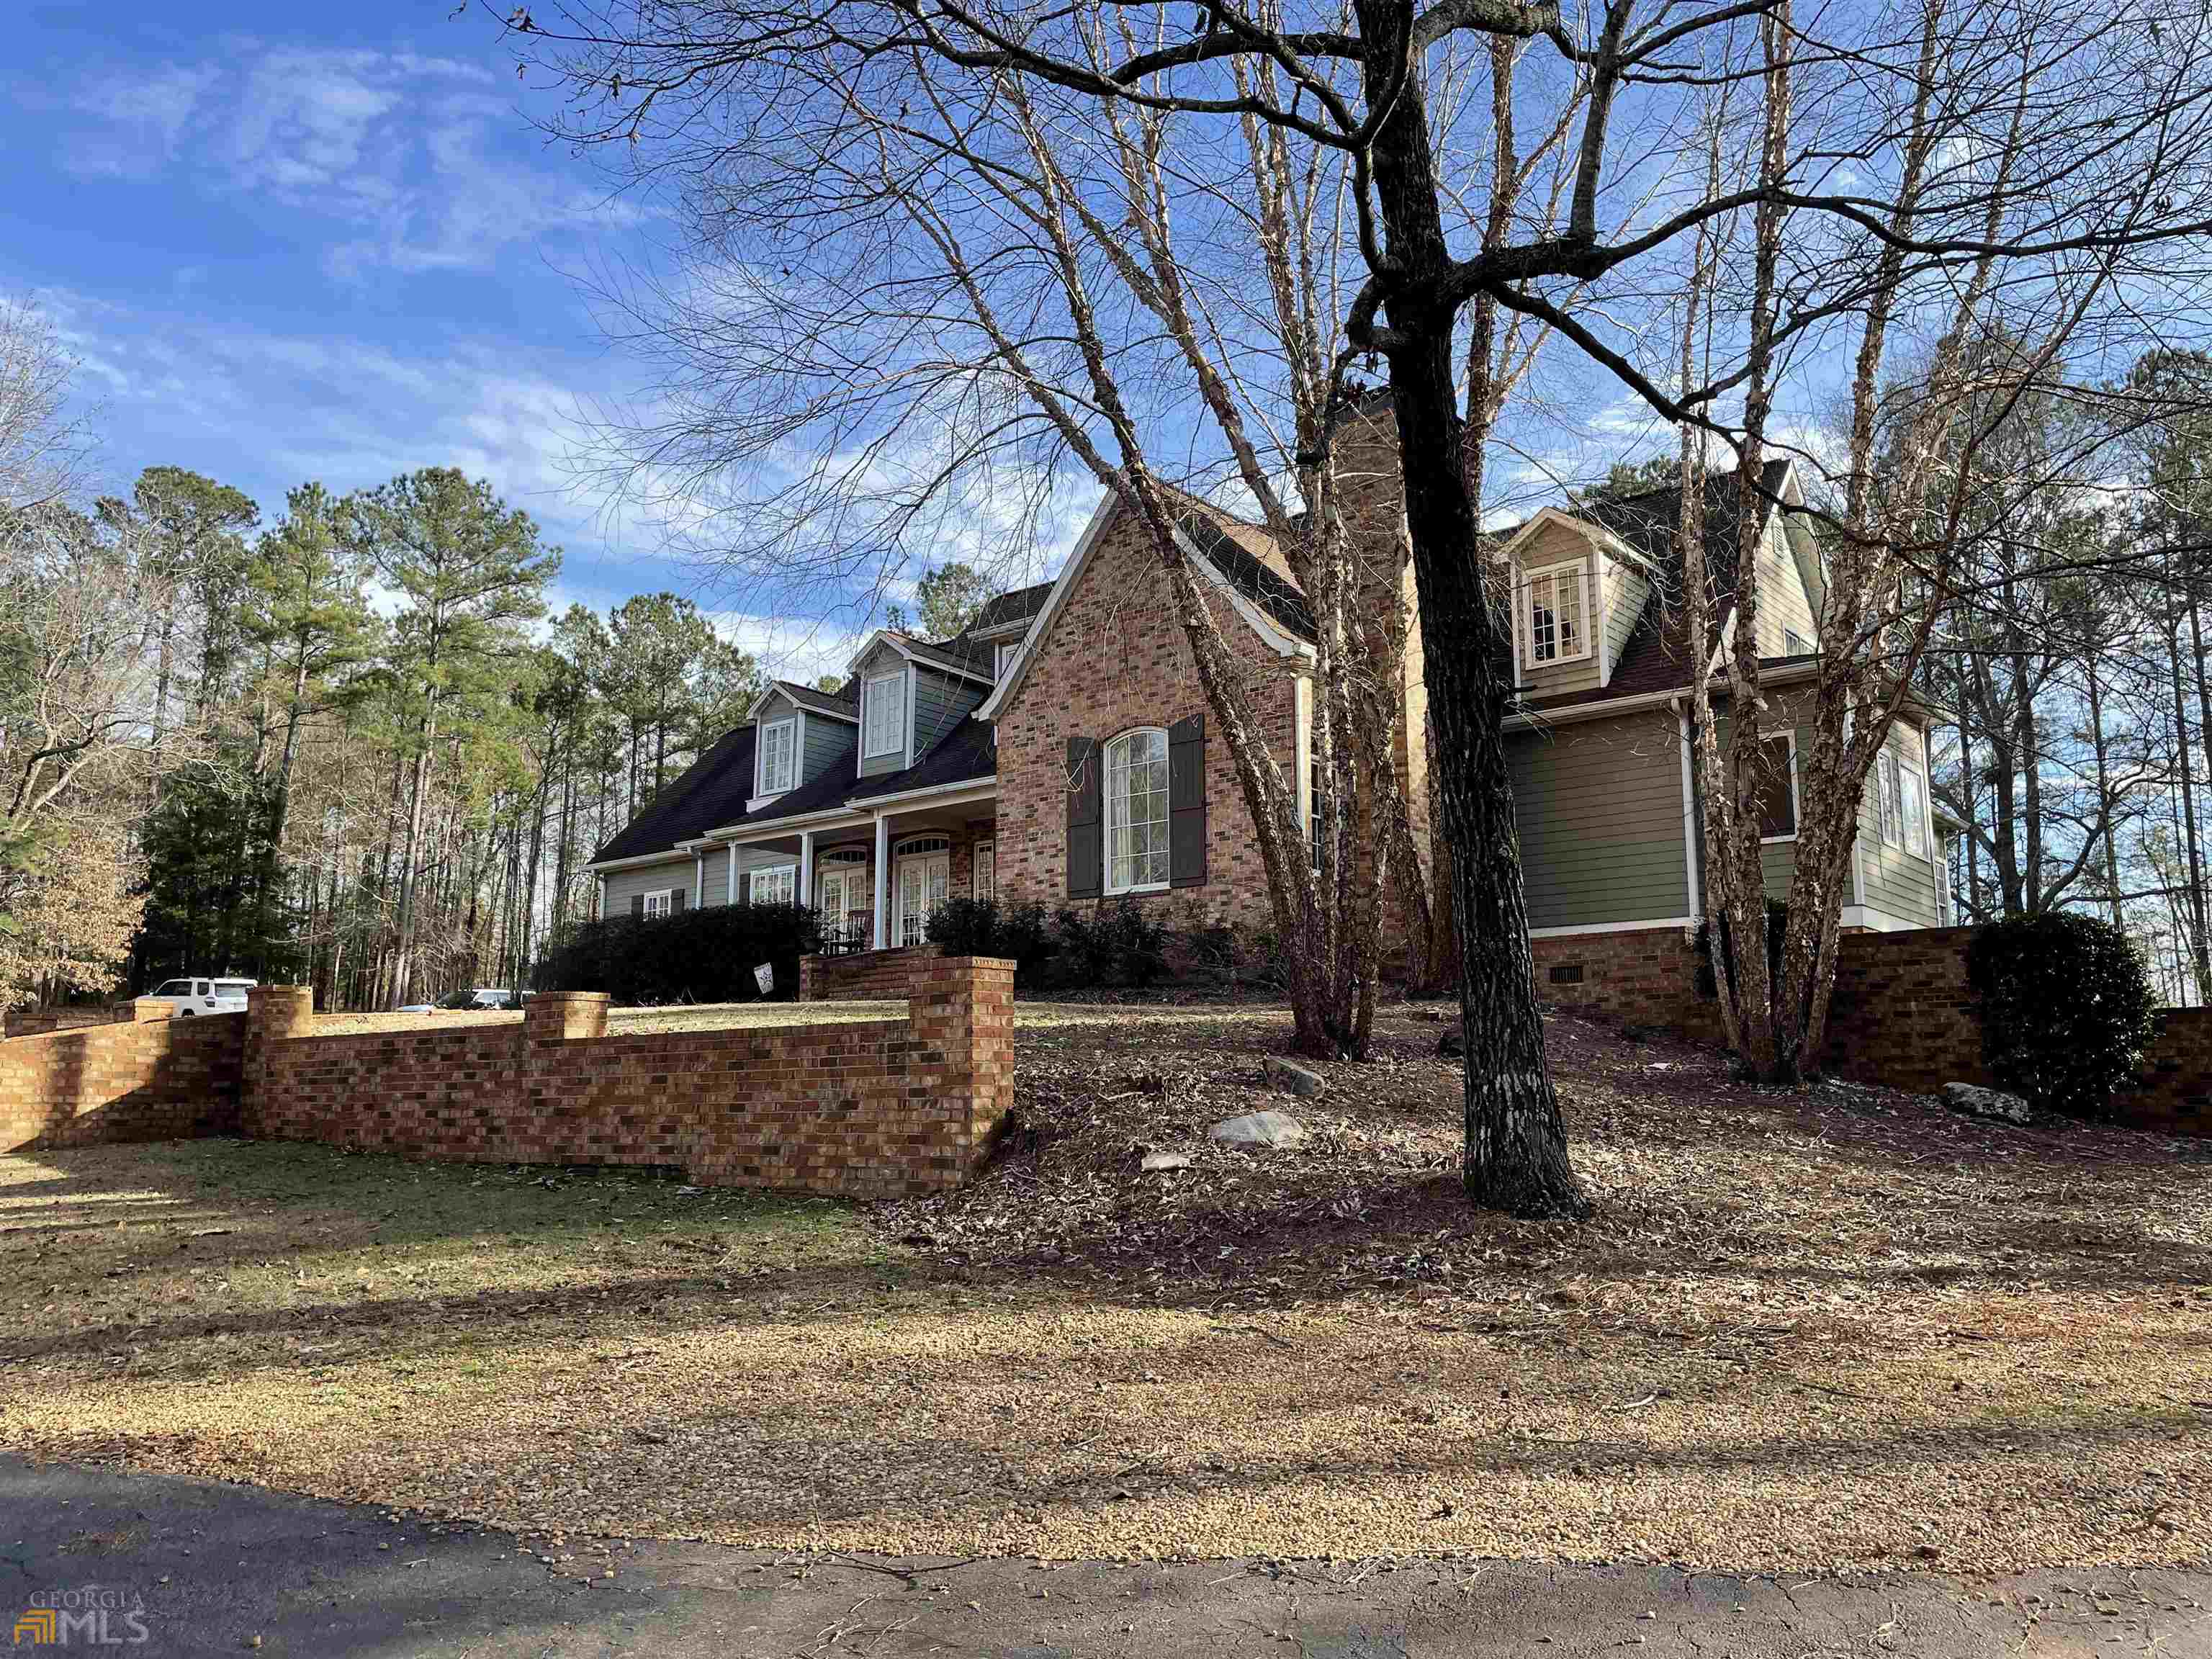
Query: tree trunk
point(1516, 1149)
point(2200, 947)
point(2103, 789)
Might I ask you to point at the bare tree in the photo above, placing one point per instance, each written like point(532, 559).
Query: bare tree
point(43, 446)
point(1372, 91)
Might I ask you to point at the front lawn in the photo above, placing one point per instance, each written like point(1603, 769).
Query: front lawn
point(1807, 1329)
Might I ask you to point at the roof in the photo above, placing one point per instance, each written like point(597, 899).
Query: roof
point(1277, 597)
point(1656, 656)
point(968, 752)
point(710, 791)
point(1010, 610)
point(962, 653)
point(845, 703)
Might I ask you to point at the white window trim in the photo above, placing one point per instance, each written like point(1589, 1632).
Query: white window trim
point(762, 786)
point(753, 880)
point(1796, 805)
point(868, 691)
point(1886, 766)
point(974, 864)
point(1525, 623)
point(1106, 815)
point(666, 901)
point(1904, 818)
point(1008, 653)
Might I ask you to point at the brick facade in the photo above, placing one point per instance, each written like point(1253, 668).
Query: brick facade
point(863, 975)
point(140, 1076)
point(867, 1109)
point(1115, 658)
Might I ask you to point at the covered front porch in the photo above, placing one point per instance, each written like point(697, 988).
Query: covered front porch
point(878, 875)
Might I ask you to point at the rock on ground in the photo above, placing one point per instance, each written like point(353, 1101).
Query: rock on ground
point(1289, 1074)
point(1977, 1101)
point(1259, 1129)
point(1157, 1161)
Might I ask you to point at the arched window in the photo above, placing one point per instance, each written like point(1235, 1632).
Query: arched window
point(1137, 811)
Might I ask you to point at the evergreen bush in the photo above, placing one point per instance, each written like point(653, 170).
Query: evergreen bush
point(2066, 1006)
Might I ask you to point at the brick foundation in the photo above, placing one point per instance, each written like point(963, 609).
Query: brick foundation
point(1645, 978)
point(874, 1108)
point(865, 976)
point(139, 1075)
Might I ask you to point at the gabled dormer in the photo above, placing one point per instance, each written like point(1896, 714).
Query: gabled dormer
point(799, 734)
point(912, 693)
point(1576, 592)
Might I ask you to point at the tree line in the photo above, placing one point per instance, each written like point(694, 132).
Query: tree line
point(348, 746)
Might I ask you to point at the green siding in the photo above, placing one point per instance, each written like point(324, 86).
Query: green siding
point(1901, 884)
point(829, 743)
point(1599, 807)
point(651, 878)
point(941, 701)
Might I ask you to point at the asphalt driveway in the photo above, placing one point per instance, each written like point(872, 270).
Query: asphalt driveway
point(205, 1568)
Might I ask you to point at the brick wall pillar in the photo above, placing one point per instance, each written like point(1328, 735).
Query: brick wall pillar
point(143, 1010)
point(807, 976)
point(565, 1016)
point(960, 1077)
point(273, 1013)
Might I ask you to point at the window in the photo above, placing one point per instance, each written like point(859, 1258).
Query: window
point(1778, 788)
point(1008, 650)
point(1913, 796)
point(661, 903)
point(173, 987)
point(1552, 614)
point(1892, 820)
point(777, 743)
point(883, 715)
point(776, 886)
point(1795, 643)
point(1137, 812)
point(987, 870)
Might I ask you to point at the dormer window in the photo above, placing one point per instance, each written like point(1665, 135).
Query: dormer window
point(1008, 650)
point(883, 715)
point(778, 756)
point(1554, 615)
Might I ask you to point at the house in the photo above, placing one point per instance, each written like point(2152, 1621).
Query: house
point(1057, 749)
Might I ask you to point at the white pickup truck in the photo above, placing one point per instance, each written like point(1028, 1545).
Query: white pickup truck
point(203, 996)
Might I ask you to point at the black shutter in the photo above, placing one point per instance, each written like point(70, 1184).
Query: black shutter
point(676, 901)
point(1187, 802)
point(637, 905)
point(1087, 826)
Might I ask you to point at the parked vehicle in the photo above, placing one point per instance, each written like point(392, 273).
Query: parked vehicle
point(473, 997)
point(190, 997)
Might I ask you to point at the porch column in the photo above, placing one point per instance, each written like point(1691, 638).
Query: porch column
point(699, 881)
point(806, 867)
point(732, 896)
point(882, 875)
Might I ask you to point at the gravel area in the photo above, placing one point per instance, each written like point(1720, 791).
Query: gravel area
point(1808, 1330)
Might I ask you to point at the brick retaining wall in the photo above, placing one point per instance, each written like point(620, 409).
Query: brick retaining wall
point(140, 1076)
point(872, 1109)
point(863, 975)
point(32, 1022)
point(1900, 1016)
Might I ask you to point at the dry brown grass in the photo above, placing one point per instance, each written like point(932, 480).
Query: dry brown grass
point(1806, 1329)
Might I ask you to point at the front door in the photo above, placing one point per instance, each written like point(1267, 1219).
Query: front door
point(925, 881)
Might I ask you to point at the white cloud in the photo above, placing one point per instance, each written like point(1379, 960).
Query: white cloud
point(420, 159)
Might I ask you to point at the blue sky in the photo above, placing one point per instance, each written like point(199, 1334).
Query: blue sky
point(321, 242)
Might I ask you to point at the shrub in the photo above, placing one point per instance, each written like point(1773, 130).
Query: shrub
point(1116, 944)
point(2066, 1008)
point(965, 927)
point(981, 927)
point(698, 955)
